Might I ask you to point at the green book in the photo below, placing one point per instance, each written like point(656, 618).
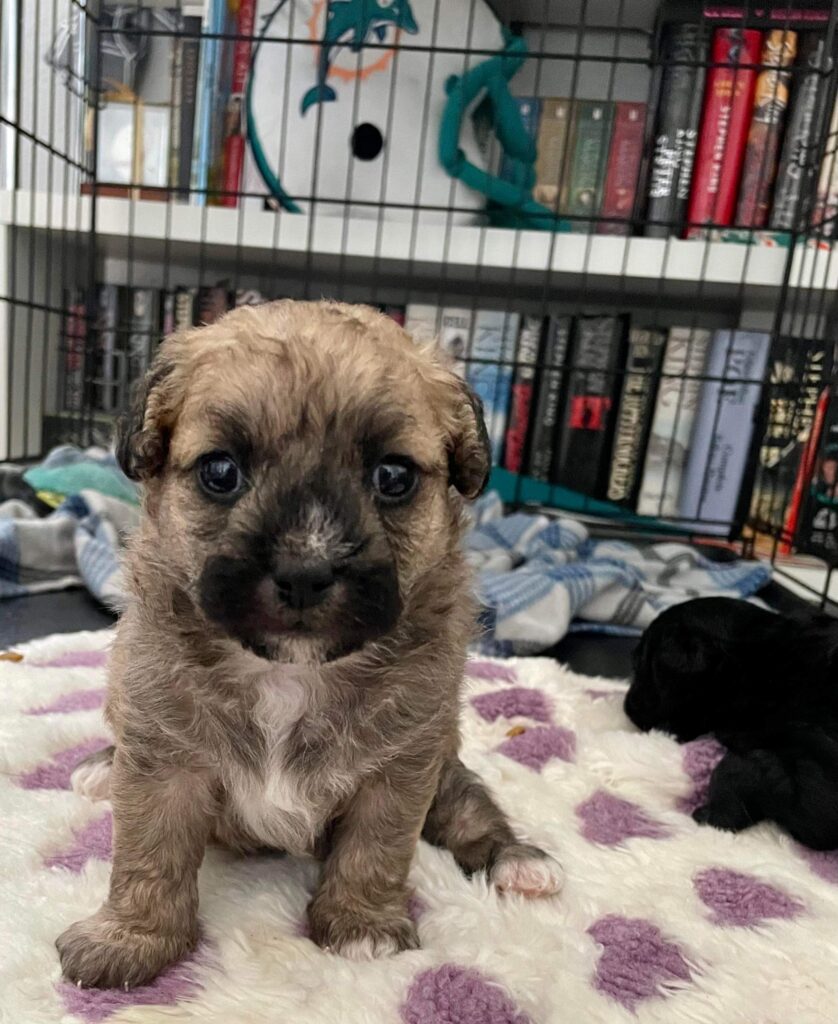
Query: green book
point(591, 136)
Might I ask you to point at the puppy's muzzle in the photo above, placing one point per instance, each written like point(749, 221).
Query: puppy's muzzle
point(301, 586)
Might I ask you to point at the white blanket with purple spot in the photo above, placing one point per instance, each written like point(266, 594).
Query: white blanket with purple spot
point(661, 921)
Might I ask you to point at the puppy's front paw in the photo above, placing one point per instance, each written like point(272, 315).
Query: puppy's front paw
point(360, 935)
point(528, 871)
point(99, 952)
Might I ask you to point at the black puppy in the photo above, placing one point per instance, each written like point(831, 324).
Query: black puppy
point(766, 686)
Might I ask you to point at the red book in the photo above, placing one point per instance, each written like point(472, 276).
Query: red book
point(725, 120)
point(804, 473)
point(233, 156)
point(623, 169)
point(523, 386)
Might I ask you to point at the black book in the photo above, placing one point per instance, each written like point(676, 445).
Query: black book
point(548, 392)
point(597, 356)
point(676, 130)
point(189, 61)
point(634, 418)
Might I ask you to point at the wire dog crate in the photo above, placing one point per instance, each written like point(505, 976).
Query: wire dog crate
point(618, 218)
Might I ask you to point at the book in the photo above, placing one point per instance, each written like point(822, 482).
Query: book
point(396, 313)
point(591, 135)
point(489, 369)
point(248, 297)
point(523, 386)
point(549, 388)
point(816, 531)
point(762, 148)
point(185, 308)
point(212, 27)
point(455, 336)
point(551, 161)
point(597, 355)
point(143, 325)
point(511, 169)
point(212, 302)
point(189, 60)
point(725, 119)
point(108, 318)
point(167, 312)
point(676, 131)
point(622, 169)
point(74, 339)
point(634, 416)
point(421, 321)
point(804, 472)
point(685, 357)
point(796, 171)
point(826, 204)
point(724, 427)
point(233, 142)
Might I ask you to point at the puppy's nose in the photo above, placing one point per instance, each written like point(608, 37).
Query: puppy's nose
point(304, 586)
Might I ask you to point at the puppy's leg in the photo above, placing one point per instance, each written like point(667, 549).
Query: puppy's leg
point(465, 819)
point(92, 776)
point(360, 909)
point(734, 800)
point(161, 822)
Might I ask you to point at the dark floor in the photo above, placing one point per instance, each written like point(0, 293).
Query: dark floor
point(67, 611)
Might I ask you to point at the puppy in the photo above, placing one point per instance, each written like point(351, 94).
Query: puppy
point(766, 686)
point(288, 670)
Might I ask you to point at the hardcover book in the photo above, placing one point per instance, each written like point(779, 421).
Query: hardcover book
point(551, 163)
point(455, 336)
point(623, 169)
point(826, 206)
point(189, 60)
point(634, 417)
point(489, 370)
point(549, 388)
point(143, 325)
point(728, 102)
point(529, 107)
point(591, 135)
point(761, 152)
point(669, 440)
point(596, 359)
point(676, 133)
point(724, 427)
point(523, 385)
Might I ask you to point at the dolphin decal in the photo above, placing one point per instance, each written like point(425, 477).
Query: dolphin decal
point(350, 22)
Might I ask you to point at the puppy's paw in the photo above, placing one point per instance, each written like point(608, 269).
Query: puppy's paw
point(528, 871)
point(728, 819)
point(99, 952)
point(360, 935)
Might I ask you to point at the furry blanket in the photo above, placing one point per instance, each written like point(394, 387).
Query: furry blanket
point(660, 920)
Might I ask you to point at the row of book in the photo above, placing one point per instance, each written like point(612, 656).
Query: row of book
point(667, 422)
point(734, 144)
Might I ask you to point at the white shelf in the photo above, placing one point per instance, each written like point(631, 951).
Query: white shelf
point(395, 245)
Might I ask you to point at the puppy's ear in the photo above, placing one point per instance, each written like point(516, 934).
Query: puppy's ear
point(470, 455)
point(142, 435)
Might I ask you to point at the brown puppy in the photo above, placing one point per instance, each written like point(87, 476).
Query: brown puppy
point(287, 672)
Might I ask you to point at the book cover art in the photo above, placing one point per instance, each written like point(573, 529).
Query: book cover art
point(455, 336)
point(596, 359)
point(634, 416)
point(549, 390)
point(771, 98)
point(676, 132)
point(551, 163)
point(523, 386)
point(489, 369)
point(724, 427)
point(797, 169)
point(421, 321)
point(684, 361)
point(189, 60)
point(622, 169)
point(725, 119)
point(591, 132)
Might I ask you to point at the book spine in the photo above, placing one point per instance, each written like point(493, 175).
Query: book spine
point(143, 327)
point(816, 532)
point(796, 172)
point(804, 473)
point(493, 342)
point(597, 356)
point(249, 297)
point(548, 395)
point(523, 385)
point(623, 169)
point(75, 342)
point(728, 102)
point(550, 165)
point(826, 206)
point(635, 413)
point(455, 336)
point(213, 22)
point(167, 316)
point(421, 321)
point(190, 53)
point(108, 325)
point(176, 114)
point(672, 422)
point(724, 426)
point(591, 136)
point(234, 144)
point(184, 308)
point(213, 302)
point(770, 102)
point(510, 169)
point(396, 313)
point(679, 113)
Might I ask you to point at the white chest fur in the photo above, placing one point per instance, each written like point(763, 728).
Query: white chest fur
point(269, 803)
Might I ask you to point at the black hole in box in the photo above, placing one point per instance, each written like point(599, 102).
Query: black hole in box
point(367, 141)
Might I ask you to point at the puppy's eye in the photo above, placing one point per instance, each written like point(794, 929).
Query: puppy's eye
point(394, 479)
point(219, 476)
